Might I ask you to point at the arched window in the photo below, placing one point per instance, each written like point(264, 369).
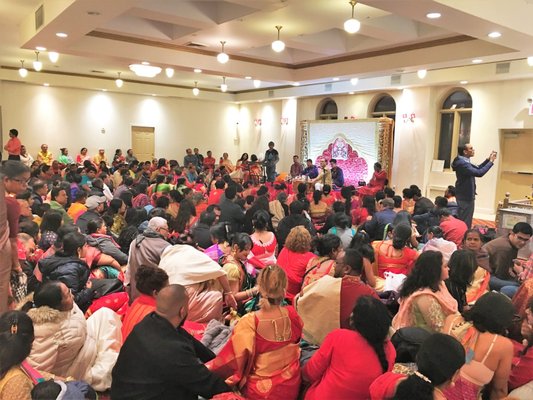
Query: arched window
point(384, 107)
point(327, 110)
point(454, 125)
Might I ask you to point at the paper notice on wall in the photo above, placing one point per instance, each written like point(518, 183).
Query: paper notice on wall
point(437, 166)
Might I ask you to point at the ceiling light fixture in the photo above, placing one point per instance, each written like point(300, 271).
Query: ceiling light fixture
point(351, 92)
point(169, 72)
point(40, 48)
point(247, 77)
point(195, 90)
point(222, 57)
point(37, 65)
point(224, 87)
point(530, 61)
point(433, 15)
point(145, 63)
point(422, 73)
point(146, 71)
point(277, 45)
point(53, 56)
point(46, 84)
point(23, 72)
point(463, 82)
point(197, 71)
point(494, 35)
point(354, 81)
point(335, 79)
point(119, 82)
point(296, 84)
point(352, 25)
point(61, 35)
point(257, 83)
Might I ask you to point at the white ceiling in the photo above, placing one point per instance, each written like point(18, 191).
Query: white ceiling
point(396, 37)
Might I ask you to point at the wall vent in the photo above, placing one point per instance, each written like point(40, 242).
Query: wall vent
point(395, 79)
point(327, 87)
point(270, 93)
point(503, 68)
point(39, 17)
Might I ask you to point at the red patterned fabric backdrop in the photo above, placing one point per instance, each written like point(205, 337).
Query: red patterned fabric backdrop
point(355, 168)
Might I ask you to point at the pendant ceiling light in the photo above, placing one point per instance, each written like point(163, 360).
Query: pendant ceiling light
point(146, 71)
point(422, 73)
point(278, 45)
point(222, 57)
point(195, 90)
point(257, 83)
point(37, 65)
point(119, 82)
point(23, 72)
point(53, 56)
point(169, 72)
point(352, 25)
point(354, 81)
point(224, 87)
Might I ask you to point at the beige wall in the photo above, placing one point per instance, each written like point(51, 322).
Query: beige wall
point(75, 117)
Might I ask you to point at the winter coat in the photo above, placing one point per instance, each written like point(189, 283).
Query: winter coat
point(73, 272)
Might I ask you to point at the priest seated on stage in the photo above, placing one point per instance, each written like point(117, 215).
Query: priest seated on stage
point(377, 182)
point(311, 170)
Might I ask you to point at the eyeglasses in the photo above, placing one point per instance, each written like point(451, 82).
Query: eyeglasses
point(522, 239)
point(21, 181)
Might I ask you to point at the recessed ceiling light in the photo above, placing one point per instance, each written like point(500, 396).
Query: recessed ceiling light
point(422, 73)
point(46, 84)
point(40, 48)
point(530, 61)
point(351, 92)
point(260, 101)
point(197, 70)
point(145, 63)
point(296, 84)
point(61, 34)
point(494, 35)
point(433, 15)
point(463, 82)
point(104, 90)
point(354, 81)
point(335, 79)
point(477, 61)
point(247, 77)
point(153, 95)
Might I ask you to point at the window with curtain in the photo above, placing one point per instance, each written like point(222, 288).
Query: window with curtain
point(454, 125)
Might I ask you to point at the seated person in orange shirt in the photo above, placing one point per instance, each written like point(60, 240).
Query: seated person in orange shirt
point(149, 281)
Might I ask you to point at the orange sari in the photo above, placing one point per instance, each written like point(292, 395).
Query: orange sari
point(259, 368)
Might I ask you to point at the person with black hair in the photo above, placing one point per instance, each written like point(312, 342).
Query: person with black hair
point(231, 212)
point(51, 222)
point(66, 344)
point(361, 243)
point(39, 190)
point(424, 299)
point(295, 218)
point(318, 209)
point(394, 255)
point(97, 237)
point(219, 234)
point(376, 227)
point(489, 354)
point(522, 370)
point(343, 229)
point(462, 266)
point(436, 242)
point(260, 203)
point(58, 201)
point(453, 229)
point(77, 207)
point(264, 241)
point(13, 145)
point(186, 215)
point(149, 281)
point(422, 204)
point(502, 253)
point(337, 176)
point(6, 258)
point(349, 360)
point(328, 248)
point(438, 361)
point(378, 181)
point(200, 231)
point(270, 160)
point(326, 304)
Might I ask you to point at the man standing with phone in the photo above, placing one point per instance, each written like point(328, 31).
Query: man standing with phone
point(465, 186)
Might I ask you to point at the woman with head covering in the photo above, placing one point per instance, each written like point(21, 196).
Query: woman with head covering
point(424, 299)
point(488, 353)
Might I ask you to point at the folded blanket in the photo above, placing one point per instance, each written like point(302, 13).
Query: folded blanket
point(216, 335)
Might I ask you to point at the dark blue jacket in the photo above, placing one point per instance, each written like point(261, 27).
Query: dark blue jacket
point(466, 173)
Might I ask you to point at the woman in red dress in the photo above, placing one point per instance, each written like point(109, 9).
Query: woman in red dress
point(349, 360)
point(377, 182)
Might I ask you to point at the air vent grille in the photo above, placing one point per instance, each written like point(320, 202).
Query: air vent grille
point(503, 68)
point(395, 79)
point(270, 93)
point(39, 17)
point(327, 87)
point(195, 45)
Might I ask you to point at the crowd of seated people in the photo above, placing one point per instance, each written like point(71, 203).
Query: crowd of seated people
point(164, 280)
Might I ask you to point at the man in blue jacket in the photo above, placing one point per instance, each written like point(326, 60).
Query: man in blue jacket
point(465, 186)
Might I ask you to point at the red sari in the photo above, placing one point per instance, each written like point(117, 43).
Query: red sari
point(386, 262)
point(294, 265)
point(260, 368)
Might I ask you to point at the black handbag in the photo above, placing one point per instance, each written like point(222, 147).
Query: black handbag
point(102, 287)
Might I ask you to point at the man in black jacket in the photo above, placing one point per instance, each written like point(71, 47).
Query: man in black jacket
point(230, 211)
point(159, 359)
point(296, 218)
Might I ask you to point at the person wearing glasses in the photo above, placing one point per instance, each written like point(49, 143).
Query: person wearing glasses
point(502, 253)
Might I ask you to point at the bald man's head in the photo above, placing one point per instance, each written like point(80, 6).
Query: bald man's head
point(172, 303)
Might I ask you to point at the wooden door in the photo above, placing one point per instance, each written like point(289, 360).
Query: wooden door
point(143, 142)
